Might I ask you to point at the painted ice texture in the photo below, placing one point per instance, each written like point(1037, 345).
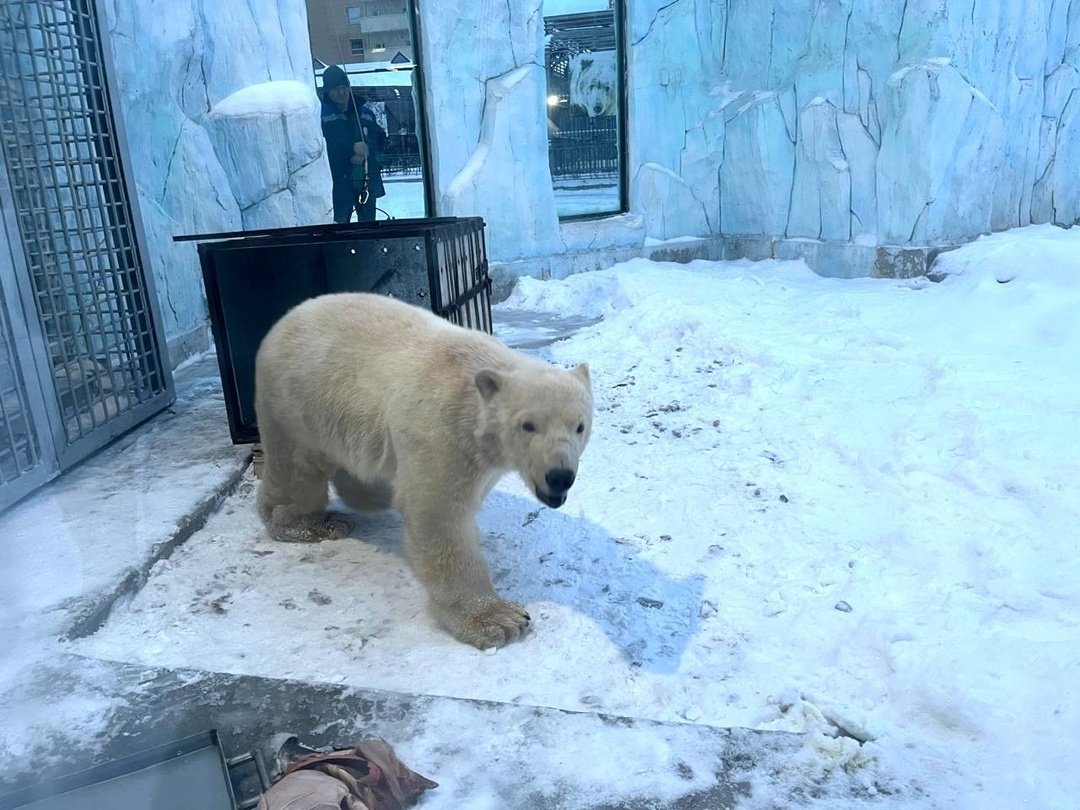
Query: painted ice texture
point(804, 128)
point(839, 507)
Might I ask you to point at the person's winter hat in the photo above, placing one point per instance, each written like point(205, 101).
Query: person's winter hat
point(333, 77)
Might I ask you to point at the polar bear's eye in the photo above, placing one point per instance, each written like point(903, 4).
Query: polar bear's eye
point(528, 427)
point(581, 427)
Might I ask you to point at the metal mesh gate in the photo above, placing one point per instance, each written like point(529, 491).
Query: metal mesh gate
point(85, 292)
point(20, 446)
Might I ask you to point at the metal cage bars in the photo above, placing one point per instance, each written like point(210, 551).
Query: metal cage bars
point(80, 273)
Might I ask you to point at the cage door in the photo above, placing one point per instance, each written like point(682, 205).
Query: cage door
point(79, 262)
point(27, 457)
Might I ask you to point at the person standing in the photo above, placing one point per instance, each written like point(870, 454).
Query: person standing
point(354, 143)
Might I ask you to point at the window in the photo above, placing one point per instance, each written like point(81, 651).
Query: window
point(395, 97)
point(379, 47)
point(355, 14)
point(585, 109)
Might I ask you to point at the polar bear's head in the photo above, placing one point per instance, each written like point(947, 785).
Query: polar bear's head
point(592, 82)
point(542, 421)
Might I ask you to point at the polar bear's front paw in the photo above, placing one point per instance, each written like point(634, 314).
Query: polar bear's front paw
point(488, 622)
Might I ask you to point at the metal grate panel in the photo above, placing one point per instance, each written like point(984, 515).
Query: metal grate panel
point(79, 321)
point(20, 447)
point(76, 223)
point(462, 287)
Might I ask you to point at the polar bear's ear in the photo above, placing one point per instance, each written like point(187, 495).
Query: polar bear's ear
point(488, 382)
point(581, 371)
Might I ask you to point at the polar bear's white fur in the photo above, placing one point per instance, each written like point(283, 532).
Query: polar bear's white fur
point(401, 408)
point(592, 82)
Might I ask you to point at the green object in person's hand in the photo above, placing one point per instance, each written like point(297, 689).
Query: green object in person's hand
point(359, 175)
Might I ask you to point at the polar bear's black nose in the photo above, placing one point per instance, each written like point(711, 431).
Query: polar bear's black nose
point(559, 480)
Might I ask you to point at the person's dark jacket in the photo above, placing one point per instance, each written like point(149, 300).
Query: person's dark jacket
point(342, 130)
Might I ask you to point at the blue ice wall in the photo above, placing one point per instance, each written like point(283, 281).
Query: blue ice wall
point(873, 122)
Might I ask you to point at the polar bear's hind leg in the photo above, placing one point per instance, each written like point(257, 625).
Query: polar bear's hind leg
point(293, 492)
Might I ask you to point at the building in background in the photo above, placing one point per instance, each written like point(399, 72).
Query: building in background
point(349, 31)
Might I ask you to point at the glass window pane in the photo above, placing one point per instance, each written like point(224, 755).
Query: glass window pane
point(381, 70)
point(583, 106)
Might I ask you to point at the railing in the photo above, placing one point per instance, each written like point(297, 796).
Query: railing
point(399, 164)
point(584, 147)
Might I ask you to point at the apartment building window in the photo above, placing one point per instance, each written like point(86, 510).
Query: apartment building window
point(356, 47)
point(355, 14)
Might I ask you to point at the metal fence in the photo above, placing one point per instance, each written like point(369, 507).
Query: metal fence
point(79, 289)
point(585, 147)
point(21, 463)
point(401, 164)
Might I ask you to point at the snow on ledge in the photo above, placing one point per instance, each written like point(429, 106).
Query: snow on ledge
point(268, 98)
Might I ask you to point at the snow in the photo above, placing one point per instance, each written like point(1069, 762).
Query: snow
point(269, 98)
point(843, 508)
point(404, 198)
point(54, 723)
point(93, 542)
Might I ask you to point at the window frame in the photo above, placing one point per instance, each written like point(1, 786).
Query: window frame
point(622, 139)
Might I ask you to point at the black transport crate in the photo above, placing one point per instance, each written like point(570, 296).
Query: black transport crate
point(252, 278)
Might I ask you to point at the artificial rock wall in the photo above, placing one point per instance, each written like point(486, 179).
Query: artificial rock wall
point(840, 123)
point(892, 122)
point(823, 128)
point(486, 91)
point(219, 108)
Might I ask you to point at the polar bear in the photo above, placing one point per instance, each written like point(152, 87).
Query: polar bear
point(401, 408)
point(592, 82)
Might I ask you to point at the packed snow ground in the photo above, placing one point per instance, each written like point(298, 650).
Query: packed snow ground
point(841, 507)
